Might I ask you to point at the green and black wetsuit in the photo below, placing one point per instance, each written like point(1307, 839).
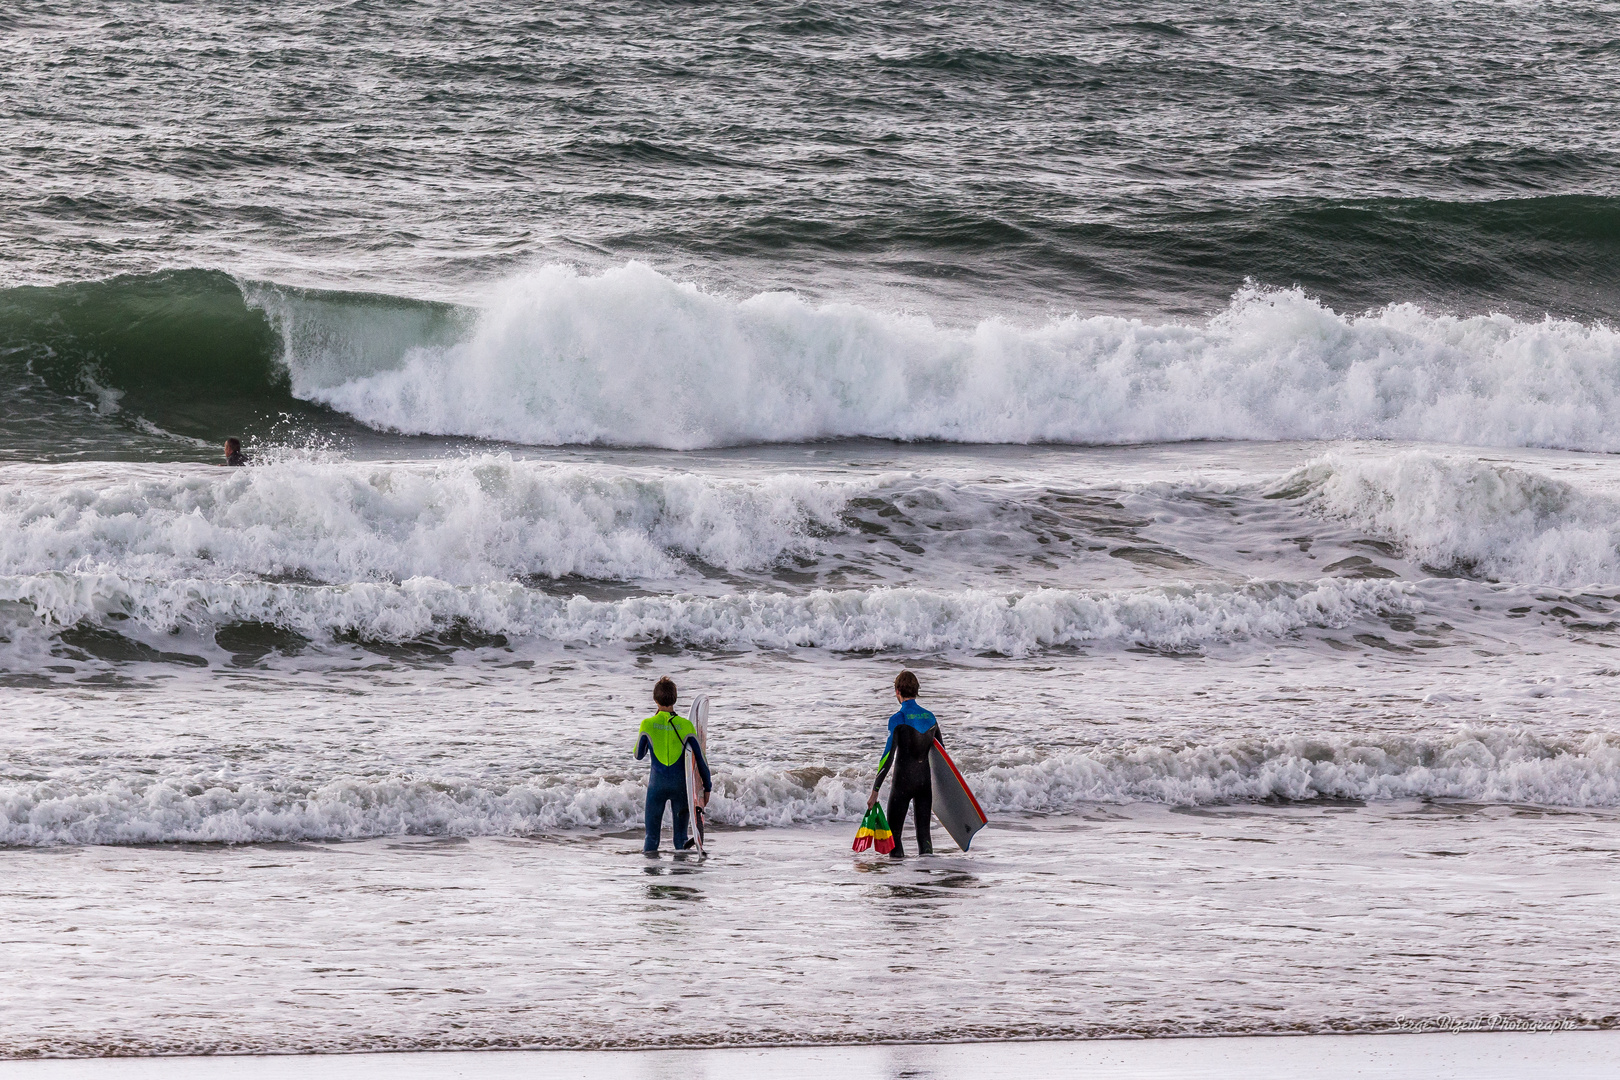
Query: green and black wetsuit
point(667, 737)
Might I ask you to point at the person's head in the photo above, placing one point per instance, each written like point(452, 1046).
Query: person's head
point(664, 693)
point(905, 686)
point(233, 446)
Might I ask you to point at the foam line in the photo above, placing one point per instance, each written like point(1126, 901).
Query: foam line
point(1477, 765)
point(1180, 618)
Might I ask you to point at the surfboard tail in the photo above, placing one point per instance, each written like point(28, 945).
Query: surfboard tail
point(977, 809)
point(954, 803)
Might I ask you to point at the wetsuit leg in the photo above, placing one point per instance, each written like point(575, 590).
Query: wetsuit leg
point(922, 803)
point(654, 817)
point(683, 814)
point(661, 790)
point(897, 818)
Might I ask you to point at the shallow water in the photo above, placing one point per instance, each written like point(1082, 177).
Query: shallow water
point(1145, 921)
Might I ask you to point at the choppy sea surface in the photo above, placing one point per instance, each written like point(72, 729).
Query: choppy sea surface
point(1215, 405)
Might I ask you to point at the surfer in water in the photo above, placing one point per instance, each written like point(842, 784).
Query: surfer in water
point(233, 452)
point(667, 736)
point(912, 733)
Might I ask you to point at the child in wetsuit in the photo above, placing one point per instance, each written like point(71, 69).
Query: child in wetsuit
point(666, 736)
point(913, 731)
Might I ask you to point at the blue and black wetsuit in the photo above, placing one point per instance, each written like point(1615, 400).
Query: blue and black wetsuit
point(667, 737)
point(913, 731)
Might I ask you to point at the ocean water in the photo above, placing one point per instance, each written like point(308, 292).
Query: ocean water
point(1215, 405)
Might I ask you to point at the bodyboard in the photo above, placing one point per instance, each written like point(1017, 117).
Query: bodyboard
point(954, 804)
point(699, 715)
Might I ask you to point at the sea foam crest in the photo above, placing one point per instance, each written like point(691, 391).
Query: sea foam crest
point(631, 357)
point(1484, 765)
point(461, 521)
point(1180, 618)
point(1478, 765)
point(1462, 514)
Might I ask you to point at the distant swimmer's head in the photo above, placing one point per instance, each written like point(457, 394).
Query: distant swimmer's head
point(233, 452)
point(664, 693)
point(905, 686)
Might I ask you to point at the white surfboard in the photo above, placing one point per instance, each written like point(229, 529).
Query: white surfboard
point(954, 804)
point(699, 715)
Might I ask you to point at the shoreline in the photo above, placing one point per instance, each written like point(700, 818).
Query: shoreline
point(1439, 1026)
point(1576, 1055)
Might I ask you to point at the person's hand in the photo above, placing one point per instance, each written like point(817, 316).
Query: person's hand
point(871, 800)
point(703, 800)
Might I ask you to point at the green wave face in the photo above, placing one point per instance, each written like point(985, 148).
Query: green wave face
point(199, 354)
point(180, 348)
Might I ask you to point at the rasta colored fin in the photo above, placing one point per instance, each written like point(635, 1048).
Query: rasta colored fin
point(874, 833)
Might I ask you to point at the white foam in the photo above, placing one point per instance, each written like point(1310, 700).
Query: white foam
point(1484, 765)
point(460, 520)
point(1488, 518)
point(211, 809)
point(630, 357)
point(1181, 618)
point(1511, 766)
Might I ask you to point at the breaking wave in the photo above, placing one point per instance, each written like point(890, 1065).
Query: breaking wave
point(462, 521)
point(1175, 618)
point(632, 357)
point(1465, 515)
point(1476, 765)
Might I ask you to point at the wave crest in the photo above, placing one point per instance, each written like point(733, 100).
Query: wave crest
point(631, 357)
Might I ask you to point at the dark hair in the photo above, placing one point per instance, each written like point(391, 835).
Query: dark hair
point(232, 445)
point(906, 684)
point(664, 692)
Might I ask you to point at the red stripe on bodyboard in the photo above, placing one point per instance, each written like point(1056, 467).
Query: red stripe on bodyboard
point(958, 774)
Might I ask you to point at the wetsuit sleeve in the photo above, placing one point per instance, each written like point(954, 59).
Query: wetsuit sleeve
point(702, 763)
point(886, 762)
point(643, 745)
